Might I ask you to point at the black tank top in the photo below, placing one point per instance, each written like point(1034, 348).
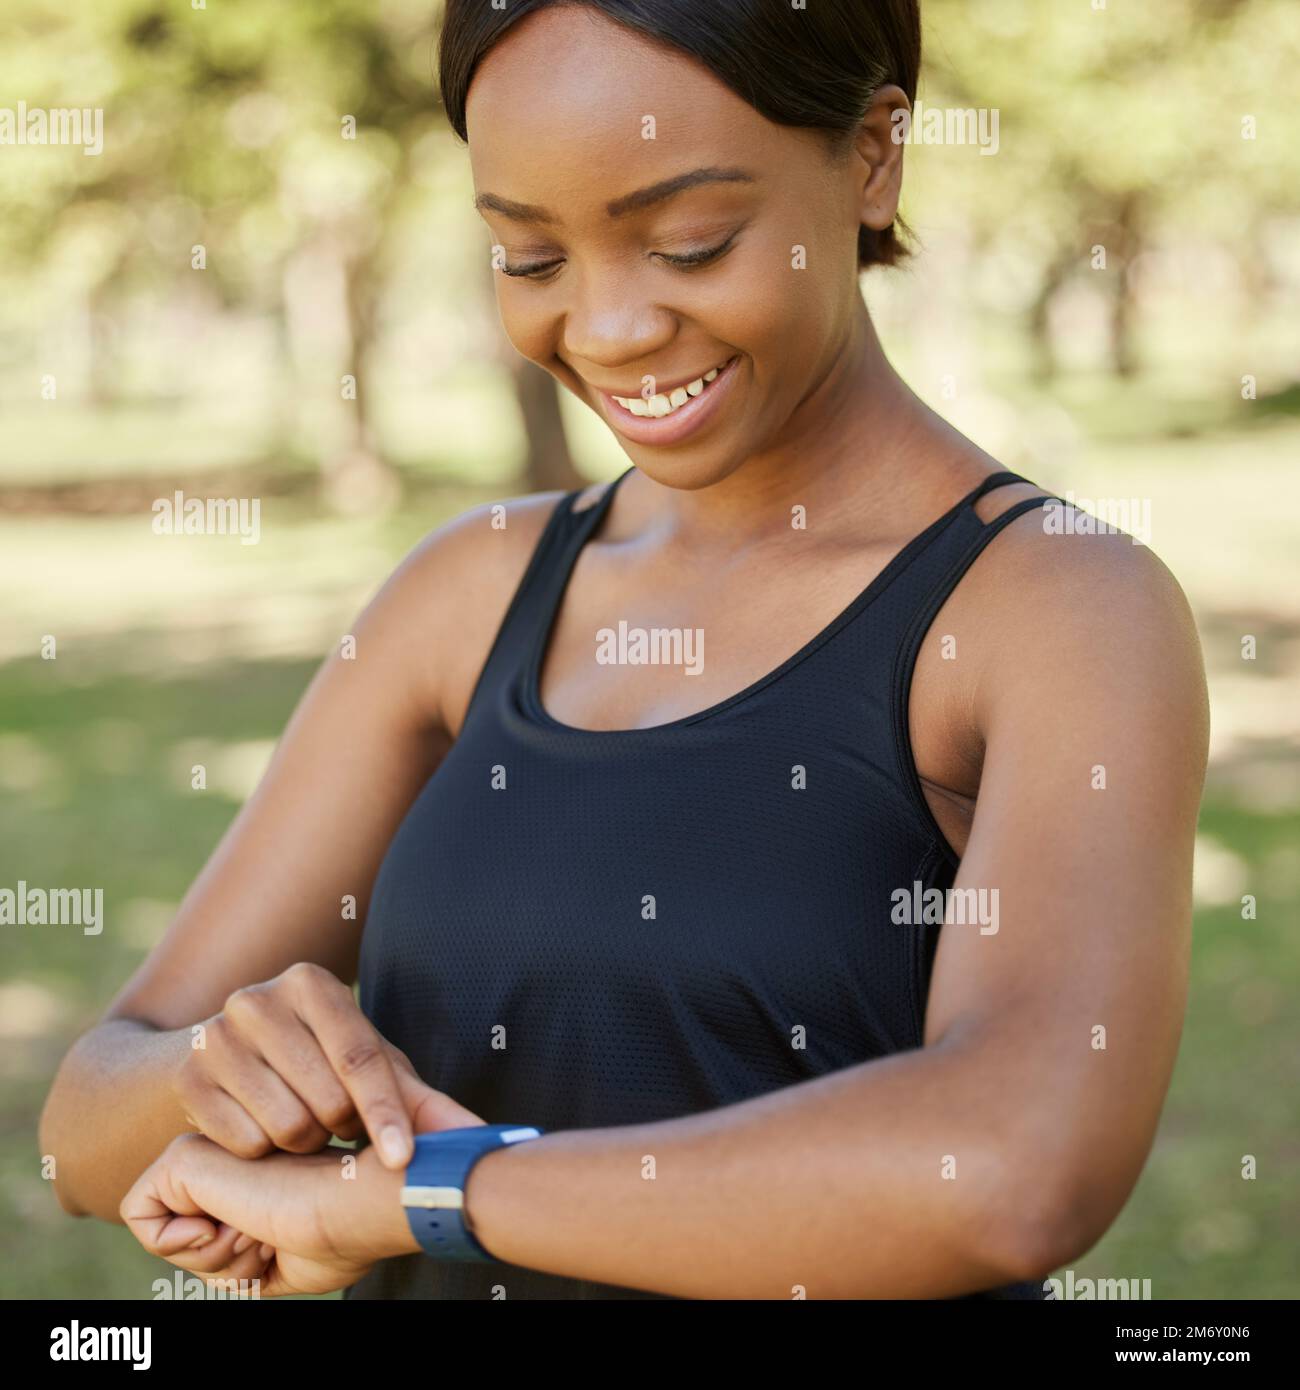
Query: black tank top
point(508, 949)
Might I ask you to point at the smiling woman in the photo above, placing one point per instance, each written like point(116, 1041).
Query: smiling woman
point(735, 148)
point(655, 995)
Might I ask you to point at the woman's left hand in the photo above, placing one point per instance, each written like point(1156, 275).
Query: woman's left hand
point(310, 1223)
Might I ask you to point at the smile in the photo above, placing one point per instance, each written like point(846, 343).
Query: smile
point(665, 403)
point(671, 417)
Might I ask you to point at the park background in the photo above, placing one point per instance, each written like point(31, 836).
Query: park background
point(1167, 134)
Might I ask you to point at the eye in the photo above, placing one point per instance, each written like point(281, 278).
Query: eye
point(540, 272)
point(689, 259)
point(536, 272)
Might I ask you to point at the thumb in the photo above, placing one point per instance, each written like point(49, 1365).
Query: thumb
point(430, 1109)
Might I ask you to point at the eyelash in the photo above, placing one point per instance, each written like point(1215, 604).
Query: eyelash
point(691, 260)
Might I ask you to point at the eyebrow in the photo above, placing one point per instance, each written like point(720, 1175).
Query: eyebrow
point(620, 207)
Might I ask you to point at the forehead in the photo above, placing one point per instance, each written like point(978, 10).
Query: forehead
point(556, 112)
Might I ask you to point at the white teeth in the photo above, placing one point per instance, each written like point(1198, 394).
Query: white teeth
point(661, 405)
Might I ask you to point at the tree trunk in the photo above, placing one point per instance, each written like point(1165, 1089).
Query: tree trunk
point(1123, 308)
point(548, 464)
point(356, 477)
point(1044, 366)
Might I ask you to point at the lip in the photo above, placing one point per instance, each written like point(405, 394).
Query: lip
point(684, 421)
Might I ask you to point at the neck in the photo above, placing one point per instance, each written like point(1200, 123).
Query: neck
point(839, 453)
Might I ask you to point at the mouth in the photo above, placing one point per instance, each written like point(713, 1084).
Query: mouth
point(669, 416)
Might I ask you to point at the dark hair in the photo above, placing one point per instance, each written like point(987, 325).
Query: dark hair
point(818, 67)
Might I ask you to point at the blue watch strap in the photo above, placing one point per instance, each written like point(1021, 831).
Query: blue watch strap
point(434, 1194)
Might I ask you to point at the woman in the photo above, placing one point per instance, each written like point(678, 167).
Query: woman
point(648, 796)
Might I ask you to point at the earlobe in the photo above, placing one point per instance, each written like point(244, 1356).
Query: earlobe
point(879, 204)
point(879, 145)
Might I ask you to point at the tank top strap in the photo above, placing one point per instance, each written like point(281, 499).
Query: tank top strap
point(555, 562)
point(994, 480)
point(540, 589)
point(929, 582)
point(583, 524)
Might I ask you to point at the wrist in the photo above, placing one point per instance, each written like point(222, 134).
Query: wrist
point(477, 1211)
point(493, 1186)
point(438, 1184)
point(369, 1222)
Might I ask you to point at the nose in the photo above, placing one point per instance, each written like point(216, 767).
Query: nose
point(611, 322)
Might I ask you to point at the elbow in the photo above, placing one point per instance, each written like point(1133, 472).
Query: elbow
point(1063, 1221)
point(55, 1152)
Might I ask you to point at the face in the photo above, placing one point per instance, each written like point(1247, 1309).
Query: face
point(633, 267)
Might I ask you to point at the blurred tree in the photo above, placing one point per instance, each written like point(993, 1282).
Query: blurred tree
point(277, 139)
point(283, 141)
point(1098, 146)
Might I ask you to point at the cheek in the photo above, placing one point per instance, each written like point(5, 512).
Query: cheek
point(785, 289)
point(530, 329)
point(778, 315)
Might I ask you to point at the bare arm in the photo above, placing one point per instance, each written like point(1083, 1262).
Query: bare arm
point(367, 734)
point(1002, 1148)
point(1045, 1120)
point(1009, 1143)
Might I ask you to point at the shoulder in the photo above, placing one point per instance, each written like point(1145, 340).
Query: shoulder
point(492, 543)
point(448, 597)
point(1079, 622)
point(487, 545)
point(438, 612)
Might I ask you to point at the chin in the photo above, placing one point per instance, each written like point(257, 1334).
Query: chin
point(686, 473)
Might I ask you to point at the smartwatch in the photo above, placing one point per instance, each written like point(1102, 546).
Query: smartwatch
point(434, 1194)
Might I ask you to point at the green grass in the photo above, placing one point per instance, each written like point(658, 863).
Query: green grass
point(113, 811)
point(162, 652)
point(1194, 1226)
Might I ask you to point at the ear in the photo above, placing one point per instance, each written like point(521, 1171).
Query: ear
point(878, 156)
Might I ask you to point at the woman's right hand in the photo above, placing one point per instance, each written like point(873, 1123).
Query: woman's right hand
point(292, 1061)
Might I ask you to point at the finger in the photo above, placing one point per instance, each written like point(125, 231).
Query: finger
point(295, 1053)
point(164, 1221)
point(437, 1106)
point(429, 1109)
point(269, 1101)
point(213, 1254)
point(185, 1237)
point(351, 1129)
point(249, 1267)
point(359, 1057)
point(218, 1115)
point(246, 1267)
point(178, 1234)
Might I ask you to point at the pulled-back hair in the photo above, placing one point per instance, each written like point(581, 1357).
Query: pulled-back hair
point(817, 67)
